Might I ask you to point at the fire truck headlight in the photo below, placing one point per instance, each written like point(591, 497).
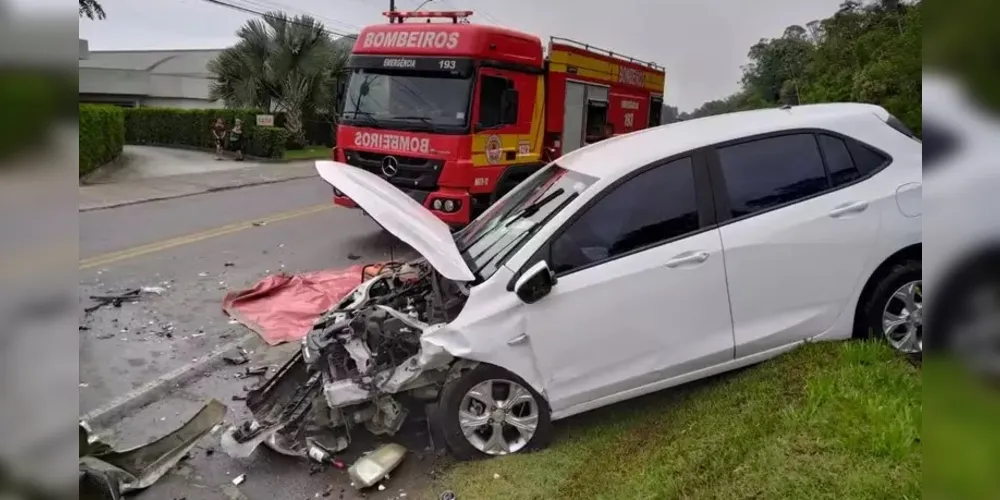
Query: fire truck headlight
point(449, 205)
point(436, 205)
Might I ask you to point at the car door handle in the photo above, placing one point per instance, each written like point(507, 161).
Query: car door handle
point(520, 339)
point(688, 258)
point(853, 207)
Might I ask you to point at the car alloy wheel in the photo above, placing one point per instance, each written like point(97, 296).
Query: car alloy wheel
point(902, 318)
point(498, 417)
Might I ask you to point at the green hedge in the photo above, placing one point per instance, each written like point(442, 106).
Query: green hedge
point(193, 128)
point(102, 135)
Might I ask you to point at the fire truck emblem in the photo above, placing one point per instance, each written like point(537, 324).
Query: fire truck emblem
point(494, 148)
point(390, 166)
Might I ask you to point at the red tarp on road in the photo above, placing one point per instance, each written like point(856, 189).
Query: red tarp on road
point(282, 308)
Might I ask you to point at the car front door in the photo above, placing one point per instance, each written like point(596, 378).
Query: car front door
point(641, 292)
point(802, 223)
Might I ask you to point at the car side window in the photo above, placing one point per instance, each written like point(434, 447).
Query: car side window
point(764, 173)
point(838, 160)
point(867, 160)
point(654, 206)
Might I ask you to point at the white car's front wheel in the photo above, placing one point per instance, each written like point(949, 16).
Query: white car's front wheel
point(489, 411)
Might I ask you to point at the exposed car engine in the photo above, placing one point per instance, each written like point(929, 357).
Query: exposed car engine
point(358, 365)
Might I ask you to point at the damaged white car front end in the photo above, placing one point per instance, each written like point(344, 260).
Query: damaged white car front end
point(378, 350)
point(362, 364)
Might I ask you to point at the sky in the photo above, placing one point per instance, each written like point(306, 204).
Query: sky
point(701, 43)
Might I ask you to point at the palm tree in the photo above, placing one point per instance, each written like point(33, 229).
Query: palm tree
point(279, 64)
point(91, 9)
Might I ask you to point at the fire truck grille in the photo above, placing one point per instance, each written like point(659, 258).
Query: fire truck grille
point(411, 173)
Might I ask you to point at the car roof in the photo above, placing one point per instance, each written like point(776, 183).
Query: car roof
point(619, 155)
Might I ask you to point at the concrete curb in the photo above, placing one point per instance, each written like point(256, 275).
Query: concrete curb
point(105, 415)
point(194, 193)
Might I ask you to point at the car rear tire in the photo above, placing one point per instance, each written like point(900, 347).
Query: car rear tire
point(893, 312)
point(473, 408)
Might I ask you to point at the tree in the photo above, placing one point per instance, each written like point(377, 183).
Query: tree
point(864, 52)
point(91, 9)
point(280, 64)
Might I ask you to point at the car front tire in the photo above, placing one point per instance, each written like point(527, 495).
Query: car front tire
point(489, 411)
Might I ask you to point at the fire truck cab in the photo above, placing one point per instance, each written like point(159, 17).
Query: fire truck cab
point(456, 114)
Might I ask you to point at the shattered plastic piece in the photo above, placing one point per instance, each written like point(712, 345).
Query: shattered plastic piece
point(376, 466)
point(238, 480)
point(381, 487)
point(203, 274)
point(158, 290)
point(107, 473)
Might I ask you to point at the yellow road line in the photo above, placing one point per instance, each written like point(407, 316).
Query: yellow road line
point(159, 246)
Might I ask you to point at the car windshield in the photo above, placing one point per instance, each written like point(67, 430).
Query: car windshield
point(486, 243)
point(410, 100)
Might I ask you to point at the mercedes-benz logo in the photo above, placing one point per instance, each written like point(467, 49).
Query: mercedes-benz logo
point(390, 166)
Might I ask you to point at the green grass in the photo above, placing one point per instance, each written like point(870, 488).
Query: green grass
point(308, 153)
point(829, 420)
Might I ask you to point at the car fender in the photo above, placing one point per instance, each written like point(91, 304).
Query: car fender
point(492, 316)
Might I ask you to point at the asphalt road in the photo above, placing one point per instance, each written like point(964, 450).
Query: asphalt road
point(197, 248)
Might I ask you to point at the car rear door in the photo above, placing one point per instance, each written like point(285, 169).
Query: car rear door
point(798, 220)
point(641, 292)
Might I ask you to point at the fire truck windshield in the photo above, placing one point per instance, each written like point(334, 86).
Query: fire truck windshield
point(408, 100)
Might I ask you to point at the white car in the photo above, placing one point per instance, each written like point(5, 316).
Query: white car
point(638, 263)
point(963, 265)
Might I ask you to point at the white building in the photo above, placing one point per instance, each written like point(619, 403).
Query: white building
point(134, 78)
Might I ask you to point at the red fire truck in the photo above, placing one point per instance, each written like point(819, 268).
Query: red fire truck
point(456, 114)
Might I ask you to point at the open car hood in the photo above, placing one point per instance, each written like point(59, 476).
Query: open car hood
point(401, 215)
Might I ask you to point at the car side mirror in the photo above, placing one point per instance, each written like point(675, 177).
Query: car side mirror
point(535, 283)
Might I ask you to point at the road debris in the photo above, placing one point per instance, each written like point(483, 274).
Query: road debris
point(108, 473)
point(202, 274)
point(112, 300)
point(158, 290)
point(259, 223)
point(447, 495)
point(241, 357)
point(259, 371)
point(229, 264)
point(376, 465)
point(381, 487)
point(238, 480)
point(353, 256)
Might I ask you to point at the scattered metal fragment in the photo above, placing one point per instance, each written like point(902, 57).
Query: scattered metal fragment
point(447, 495)
point(202, 274)
point(259, 223)
point(353, 256)
point(381, 487)
point(112, 300)
point(229, 264)
point(239, 397)
point(238, 480)
point(376, 465)
point(158, 290)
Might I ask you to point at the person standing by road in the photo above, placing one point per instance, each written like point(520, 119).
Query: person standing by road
point(236, 139)
point(219, 133)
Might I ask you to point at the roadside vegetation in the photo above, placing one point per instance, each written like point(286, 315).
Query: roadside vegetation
point(829, 420)
point(309, 153)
